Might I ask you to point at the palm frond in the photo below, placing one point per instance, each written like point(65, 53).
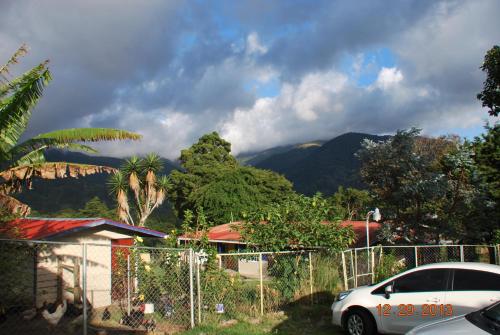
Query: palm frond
point(152, 162)
point(40, 144)
point(90, 135)
point(4, 69)
point(13, 205)
point(117, 182)
point(15, 110)
point(53, 170)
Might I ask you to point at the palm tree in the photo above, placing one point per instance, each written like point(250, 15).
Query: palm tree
point(139, 178)
point(20, 162)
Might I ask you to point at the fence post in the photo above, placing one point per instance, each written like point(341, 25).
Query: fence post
point(416, 256)
point(128, 284)
point(261, 285)
point(462, 253)
point(346, 284)
point(311, 283)
point(198, 289)
point(355, 268)
point(373, 264)
point(219, 261)
point(496, 251)
point(84, 289)
point(191, 288)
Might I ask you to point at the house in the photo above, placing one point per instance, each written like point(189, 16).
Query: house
point(56, 265)
point(226, 237)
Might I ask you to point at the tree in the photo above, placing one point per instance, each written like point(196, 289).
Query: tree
point(428, 188)
point(21, 162)
point(350, 203)
point(296, 223)
point(213, 179)
point(138, 178)
point(490, 96)
point(487, 158)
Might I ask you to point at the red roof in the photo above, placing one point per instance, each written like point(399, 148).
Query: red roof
point(49, 228)
point(228, 232)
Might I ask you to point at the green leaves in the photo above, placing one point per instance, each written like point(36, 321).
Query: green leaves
point(18, 96)
point(296, 223)
point(490, 96)
point(213, 180)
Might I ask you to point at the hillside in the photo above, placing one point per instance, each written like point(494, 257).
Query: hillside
point(49, 196)
point(312, 167)
point(321, 168)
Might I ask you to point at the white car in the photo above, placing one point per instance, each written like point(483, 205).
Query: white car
point(424, 294)
point(483, 322)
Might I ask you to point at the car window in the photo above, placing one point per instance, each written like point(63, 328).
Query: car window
point(493, 313)
point(474, 280)
point(422, 281)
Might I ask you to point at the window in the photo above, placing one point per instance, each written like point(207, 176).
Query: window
point(422, 281)
point(473, 280)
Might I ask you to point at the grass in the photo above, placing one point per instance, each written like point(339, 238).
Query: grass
point(296, 320)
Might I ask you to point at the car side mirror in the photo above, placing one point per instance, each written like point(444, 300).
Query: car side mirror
point(388, 290)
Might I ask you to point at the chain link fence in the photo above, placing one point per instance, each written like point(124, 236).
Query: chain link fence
point(63, 288)
point(363, 266)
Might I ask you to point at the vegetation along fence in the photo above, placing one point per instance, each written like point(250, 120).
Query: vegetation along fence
point(64, 288)
point(68, 288)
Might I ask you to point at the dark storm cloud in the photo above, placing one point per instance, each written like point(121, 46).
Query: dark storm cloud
point(174, 70)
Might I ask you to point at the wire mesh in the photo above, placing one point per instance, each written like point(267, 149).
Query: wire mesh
point(63, 288)
point(134, 288)
point(41, 288)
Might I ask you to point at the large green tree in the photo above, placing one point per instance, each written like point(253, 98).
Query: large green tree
point(21, 161)
point(427, 188)
point(213, 179)
point(490, 95)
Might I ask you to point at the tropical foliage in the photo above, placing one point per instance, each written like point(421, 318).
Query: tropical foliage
point(138, 178)
point(429, 189)
point(298, 222)
point(490, 96)
point(350, 203)
point(213, 179)
point(20, 162)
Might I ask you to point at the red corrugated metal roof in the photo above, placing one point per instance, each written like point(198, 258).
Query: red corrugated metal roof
point(48, 228)
point(228, 232)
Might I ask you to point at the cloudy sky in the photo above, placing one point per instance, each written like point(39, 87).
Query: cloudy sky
point(262, 73)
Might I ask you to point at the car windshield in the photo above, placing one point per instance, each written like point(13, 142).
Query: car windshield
point(493, 313)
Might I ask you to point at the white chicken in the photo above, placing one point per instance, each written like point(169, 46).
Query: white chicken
point(54, 318)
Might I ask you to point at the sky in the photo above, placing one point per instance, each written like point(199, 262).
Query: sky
point(261, 73)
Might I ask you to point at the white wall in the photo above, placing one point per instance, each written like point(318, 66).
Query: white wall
point(98, 267)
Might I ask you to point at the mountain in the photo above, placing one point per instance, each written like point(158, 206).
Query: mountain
point(254, 158)
point(49, 196)
point(322, 167)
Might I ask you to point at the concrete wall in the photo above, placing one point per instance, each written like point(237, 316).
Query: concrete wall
point(250, 268)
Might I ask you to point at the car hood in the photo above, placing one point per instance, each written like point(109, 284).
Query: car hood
point(456, 326)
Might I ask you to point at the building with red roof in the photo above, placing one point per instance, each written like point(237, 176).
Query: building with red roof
point(226, 237)
point(58, 254)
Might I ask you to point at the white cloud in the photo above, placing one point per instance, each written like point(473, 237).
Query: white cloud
point(388, 78)
point(254, 45)
point(292, 114)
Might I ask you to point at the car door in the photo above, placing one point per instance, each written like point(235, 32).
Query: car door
point(412, 296)
point(472, 290)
